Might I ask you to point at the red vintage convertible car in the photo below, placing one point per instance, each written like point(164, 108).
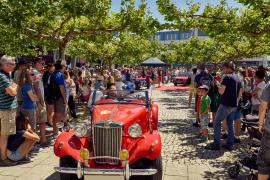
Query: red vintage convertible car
point(120, 141)
point(182, 79)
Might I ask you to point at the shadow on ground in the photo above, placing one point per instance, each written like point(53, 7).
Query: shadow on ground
point(181, 144)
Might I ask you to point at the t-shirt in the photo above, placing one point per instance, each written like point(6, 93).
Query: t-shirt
point(233, 86)
point(60, 80)
point(261, 86)
point(203, 76)
point(14, 141)
point(38, 78)
point(204, 103)
point(72, 88)
point(7, 102)
point(266, 97)
point(45, 80)
point(27, 102)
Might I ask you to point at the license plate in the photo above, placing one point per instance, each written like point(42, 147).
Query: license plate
point(103, 177)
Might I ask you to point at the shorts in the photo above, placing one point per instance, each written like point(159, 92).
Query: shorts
point(8, 122)
point(263, 159)
point(204, 121)
point(15, 155)
point(237, 115)
point(59, 106)
point(41, 115)
point(31, 114)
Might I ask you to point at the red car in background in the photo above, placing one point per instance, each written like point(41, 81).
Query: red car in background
point(119, 142)
point(183, 79)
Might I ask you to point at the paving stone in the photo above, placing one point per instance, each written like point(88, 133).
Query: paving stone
point(14, 171)
point(7, 177)
point(175, 178)
point(176, 170)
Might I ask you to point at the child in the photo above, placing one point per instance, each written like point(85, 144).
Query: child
point(203, 111)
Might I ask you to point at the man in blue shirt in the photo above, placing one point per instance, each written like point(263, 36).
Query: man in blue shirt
point(230, 90)
point(8, 105)
point(60, 95)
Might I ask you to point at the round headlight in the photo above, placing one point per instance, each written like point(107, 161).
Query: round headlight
point(135, 130)
point(80, 130)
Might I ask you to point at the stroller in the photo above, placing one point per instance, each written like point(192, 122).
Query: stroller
point(248, 163)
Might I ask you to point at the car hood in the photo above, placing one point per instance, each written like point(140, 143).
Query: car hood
point(122, 113)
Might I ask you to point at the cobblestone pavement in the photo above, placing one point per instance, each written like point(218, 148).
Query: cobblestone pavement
point(184, 158)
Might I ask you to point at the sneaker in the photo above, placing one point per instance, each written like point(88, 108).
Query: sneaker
point(25, 159)
point(237, 140)
point(212, 147)
point(224, 136)
point(7, 162)
point(196, 124)
point(48, 124)
point(210, 124)
point(227, 147)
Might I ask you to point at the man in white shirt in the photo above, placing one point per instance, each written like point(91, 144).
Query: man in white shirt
point(258, 89)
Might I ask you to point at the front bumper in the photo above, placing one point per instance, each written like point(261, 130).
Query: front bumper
point(126, 172)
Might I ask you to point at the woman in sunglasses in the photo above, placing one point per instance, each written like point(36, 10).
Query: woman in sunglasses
point(29, 98)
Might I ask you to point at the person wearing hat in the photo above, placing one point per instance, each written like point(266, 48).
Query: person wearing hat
point(202, 78)
point(230, 90)
point(204, 111)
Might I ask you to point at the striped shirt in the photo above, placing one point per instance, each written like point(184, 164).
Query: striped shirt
point(7, 102)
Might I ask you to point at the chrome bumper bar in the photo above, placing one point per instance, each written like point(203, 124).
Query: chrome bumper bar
point(125, 172)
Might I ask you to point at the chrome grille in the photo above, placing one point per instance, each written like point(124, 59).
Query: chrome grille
point(107, 140)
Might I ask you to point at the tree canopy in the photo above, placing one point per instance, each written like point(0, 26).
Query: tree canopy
point(235, 32)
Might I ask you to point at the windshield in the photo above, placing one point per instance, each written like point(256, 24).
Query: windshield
point(119, 97)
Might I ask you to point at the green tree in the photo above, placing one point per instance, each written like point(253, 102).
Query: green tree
point(237, 32)
point(57, 23)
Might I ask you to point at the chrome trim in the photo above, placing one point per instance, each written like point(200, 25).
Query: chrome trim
point(107, 142)
point(100, 157)
point(125, 172)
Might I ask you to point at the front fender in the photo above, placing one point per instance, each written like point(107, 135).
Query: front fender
point(148, 147)
point(67, 144)
point(154, 116)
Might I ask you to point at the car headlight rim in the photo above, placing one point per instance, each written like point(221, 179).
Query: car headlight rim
point(80, 130)
point(135, 130)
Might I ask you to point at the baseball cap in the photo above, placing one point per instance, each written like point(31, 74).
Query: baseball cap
point(204, 87)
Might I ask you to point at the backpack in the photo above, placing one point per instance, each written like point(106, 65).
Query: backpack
point(53, 92)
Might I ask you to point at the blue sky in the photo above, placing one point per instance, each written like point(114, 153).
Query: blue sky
point(180, 3)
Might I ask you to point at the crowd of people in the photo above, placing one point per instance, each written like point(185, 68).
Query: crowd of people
point(231, 93)
point(36, 95)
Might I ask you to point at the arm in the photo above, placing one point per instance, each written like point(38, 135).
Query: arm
point(221, 89)
point(12, 89)
point(38, 93)
point(262, 111)
point(32, 96)
point(30, 135)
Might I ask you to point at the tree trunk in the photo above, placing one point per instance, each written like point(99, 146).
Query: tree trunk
point(62, 50)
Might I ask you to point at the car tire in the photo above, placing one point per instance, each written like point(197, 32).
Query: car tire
point(67, 161)
point(155, 164)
